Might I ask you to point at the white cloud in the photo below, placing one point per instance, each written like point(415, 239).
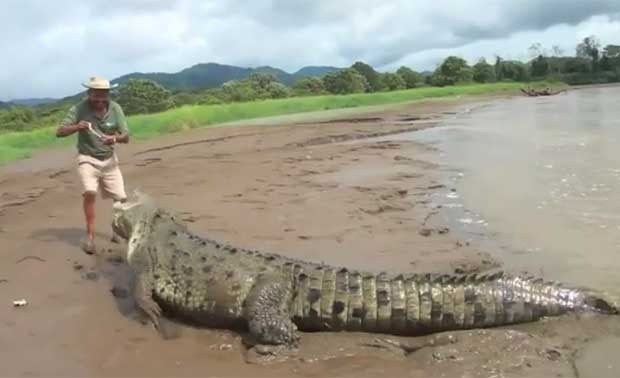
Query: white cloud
point(49, 47)
point(605, 28)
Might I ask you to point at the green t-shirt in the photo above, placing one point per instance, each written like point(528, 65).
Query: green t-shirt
point(112, 122)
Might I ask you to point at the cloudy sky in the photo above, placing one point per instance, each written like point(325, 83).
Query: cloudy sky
point(50, 47)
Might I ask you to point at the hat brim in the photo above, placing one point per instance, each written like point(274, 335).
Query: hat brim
point(104, 88)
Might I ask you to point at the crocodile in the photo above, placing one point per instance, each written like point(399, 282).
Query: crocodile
point(273, 297)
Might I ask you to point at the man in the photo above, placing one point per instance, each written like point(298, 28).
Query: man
point(100, 124)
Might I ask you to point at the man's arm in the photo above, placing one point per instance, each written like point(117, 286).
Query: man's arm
point(122, 137)
point(66, 130)
point(70, 124)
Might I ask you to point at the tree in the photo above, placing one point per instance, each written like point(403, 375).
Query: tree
point(576, 65)
point(16, 118)
point(237, 91)
point(184, 98)
point(260, 81)
point(540, 66)
point(372, 76)
point(309, 86)
point(267, 86)
point(511, 70)
point(278, 90)
point(392, 81)
point(141, 96)
point(412, 79)
point(605, 64)
point(499, 75)
point(212, 96)
point(483, 72)
point(345, 81)
point(258, 86)
point(590, 49)
point(452, 70)
point(535, 50)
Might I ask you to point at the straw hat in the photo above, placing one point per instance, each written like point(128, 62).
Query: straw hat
point(96, 82)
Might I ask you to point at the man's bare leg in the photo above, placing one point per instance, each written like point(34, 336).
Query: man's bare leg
point(89, 213)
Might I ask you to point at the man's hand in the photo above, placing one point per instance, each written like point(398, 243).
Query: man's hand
point(109, 139)
point(122, 138)
point(116, 138)
point(82, 125)
point(67, 130)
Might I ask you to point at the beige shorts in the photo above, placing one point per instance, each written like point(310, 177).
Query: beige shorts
point(105, 173)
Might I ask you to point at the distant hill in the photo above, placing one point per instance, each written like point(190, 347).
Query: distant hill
point(314, 71)
point(199, 76)
point(33, 101)
point(213, 75)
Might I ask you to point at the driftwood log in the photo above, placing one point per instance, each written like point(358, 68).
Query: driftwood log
point(543, 92)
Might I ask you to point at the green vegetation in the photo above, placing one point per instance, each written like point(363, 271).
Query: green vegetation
point(210, 93)
point(453, 70)
point(483, 72)
point(346, 81)
point(592, 64)
point(373, 78)
point(16, 145)
point(309, 86)
point(144, 96)
point(412, 79)
point(255, 87)
point(393, 82)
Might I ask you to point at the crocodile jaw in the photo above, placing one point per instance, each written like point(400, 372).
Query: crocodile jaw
point(120, 224)
point(126, 215)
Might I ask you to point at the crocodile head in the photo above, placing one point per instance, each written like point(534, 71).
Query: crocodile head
point(130, 213)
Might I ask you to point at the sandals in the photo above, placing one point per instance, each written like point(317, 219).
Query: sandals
point(88, 245)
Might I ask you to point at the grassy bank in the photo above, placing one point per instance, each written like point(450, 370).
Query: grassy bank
point(18, 145)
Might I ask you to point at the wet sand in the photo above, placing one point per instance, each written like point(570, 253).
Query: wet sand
point(293, 186)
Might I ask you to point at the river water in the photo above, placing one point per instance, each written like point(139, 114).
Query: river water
point(537, 182)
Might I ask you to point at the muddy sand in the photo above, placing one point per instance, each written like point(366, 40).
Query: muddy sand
point(316, 187)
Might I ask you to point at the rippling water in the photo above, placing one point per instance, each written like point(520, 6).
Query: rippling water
point(540, 178)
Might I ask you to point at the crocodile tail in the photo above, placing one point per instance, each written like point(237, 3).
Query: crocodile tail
point(337, 299)
point(549, 298)
point(599, 303)
point(423, 303)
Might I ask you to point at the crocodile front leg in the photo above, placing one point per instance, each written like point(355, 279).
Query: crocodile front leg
point(143, 295)
point(142, 259)
point(267, 310)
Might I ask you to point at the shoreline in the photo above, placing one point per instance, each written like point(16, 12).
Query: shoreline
point(590, 86)
point(50, 157)
point(20, 145)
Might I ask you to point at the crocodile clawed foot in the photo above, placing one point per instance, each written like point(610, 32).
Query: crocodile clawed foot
point(150, 308)
point(145, 302)
point(269, 350)
point(168, 330)
point(266, 354)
